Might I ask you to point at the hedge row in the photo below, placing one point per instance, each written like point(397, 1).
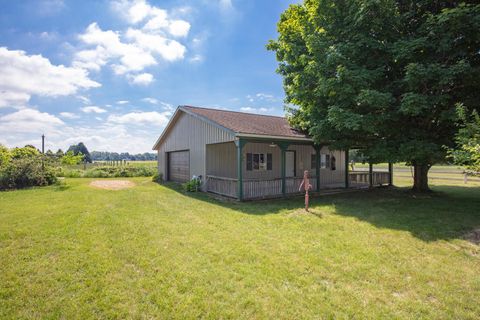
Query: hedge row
point(107, 172)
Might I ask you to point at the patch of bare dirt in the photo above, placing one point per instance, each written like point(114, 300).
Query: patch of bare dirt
point(112, 184)
point(473, 236)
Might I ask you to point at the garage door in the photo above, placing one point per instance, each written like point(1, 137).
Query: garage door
point(179, 166)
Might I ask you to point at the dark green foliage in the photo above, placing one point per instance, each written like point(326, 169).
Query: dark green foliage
point(382, 75)
point(27, 172)
point(107, 172)
point(81, 148)
point(192, 185)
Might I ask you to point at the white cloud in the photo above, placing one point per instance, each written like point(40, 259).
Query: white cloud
point(27, 125)
point(28, 120)
point(157, 20)
point(261, 110)
point(160, 119)
point(23, 76)
point(136, 48)
point(123, 102)
point(196, 58)
point(168, 49)
point(69, 115)
point(84, 99)
point(93, 109)
point(141, 79)
point(133, 11)
point(179, 28)
point(129, 51)
point(150, 100)
point(109, 46)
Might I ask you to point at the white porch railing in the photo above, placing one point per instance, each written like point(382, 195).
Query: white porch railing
point(255, 189)
point(262, 188)
point(363, 178)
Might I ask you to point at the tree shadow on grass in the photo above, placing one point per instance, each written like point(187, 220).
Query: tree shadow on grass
point(447, 213)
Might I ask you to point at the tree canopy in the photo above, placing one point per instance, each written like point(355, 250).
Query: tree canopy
point(468, 141)
point(81, 149)
point(382, 75)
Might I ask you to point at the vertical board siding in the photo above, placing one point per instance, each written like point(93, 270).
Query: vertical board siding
point(190, 133)
point(333, 178)
point(222, 160)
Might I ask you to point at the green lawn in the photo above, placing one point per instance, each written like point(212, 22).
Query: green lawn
point(74, 252)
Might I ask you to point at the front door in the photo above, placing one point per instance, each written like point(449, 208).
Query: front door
point(290, 164)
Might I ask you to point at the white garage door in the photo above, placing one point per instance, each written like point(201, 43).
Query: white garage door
point(179, 166)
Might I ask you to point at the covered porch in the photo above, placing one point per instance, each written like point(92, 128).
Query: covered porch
point(266, 168)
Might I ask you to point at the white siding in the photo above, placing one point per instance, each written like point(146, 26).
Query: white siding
point(190, 133)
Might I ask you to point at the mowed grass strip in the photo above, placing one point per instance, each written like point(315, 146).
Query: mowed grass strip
point(151, 251)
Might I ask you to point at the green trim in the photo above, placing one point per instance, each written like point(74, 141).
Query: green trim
point(240, 144)
point(283, 147)
point(390, 174)
point(347, 178)
point(370, 174)
point(317, 165)
point(277, 141)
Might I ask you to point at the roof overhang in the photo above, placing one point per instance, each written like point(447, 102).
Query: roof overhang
point(269, 137)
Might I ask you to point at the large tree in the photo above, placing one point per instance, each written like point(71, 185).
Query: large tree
point(382, 75)
point(81, 149)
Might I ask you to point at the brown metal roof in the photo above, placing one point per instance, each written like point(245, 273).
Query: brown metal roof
point(248, 123)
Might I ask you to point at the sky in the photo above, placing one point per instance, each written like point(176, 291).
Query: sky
point(110, 73)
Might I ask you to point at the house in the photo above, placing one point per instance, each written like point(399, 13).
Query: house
point(246, 156)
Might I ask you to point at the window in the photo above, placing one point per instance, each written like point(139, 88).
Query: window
point(259, 161)
point(313, 161)
point(333, 163)
point(324, 161)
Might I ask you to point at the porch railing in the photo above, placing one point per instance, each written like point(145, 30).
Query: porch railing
point(253, 188)
point(222, 185)
point(363, 178)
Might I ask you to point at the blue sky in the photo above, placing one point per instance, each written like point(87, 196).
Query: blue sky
point(110, 72)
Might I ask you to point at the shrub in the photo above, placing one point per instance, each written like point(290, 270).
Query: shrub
point(25, 152)
point(157, 177)
point(5, 156)
point(27, 172)
point(192, 185)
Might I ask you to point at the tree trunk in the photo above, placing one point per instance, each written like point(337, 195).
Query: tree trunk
point(420, 178)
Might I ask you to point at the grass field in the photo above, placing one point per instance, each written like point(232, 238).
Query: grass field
point(109, 163)
point(75, 252)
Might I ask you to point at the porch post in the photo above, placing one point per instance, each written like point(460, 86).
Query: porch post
point(317, 165)
point(283, 148)
point(240, 143)
point(390, 174)
point(370, 174)
point(347, 178)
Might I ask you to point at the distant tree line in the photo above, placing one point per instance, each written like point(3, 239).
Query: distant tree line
point(114, 156)
point(81, 149)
